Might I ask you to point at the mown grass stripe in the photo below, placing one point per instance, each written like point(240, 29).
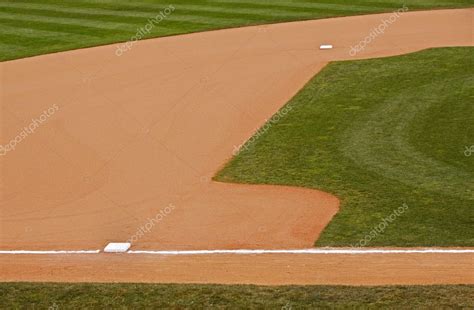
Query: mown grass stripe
point(299, 5)
point(15, 39)
point(364, 146)
point(36, 33)
point(269, 12)
point(4, 47)
point(108, 21)
point(72, 29)
point(68, 21)
point(137, 17)
point(418, 4)
point(167, 26)
point(109, 35)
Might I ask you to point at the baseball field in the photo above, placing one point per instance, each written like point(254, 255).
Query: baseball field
point(37, 27)
point(246, 154)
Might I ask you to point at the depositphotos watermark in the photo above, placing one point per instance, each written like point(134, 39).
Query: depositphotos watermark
point(380, 228)
point(380, 29)
point(28, 130)
point(151, 222)
point(262, 130)
point(287, 307)
point(468, 150)
point(142, 31)
point(54, 306)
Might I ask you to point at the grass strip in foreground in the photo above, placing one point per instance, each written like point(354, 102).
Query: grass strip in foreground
point(187, 296)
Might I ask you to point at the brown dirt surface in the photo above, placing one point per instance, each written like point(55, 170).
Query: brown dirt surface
point(265, 269)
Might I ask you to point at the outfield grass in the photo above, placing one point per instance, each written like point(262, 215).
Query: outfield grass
point(379, 134)
point(158, 296)
point(29, 27)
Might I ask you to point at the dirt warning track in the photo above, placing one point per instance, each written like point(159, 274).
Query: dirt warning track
point(125, 137)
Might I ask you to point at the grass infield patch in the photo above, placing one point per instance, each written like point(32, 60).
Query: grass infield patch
point(384, 135)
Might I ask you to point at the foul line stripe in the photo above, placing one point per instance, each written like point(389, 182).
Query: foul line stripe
point(257, 252)
point(51, 252)
point(303, 251)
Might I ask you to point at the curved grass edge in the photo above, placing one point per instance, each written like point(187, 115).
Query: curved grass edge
point(251, 167)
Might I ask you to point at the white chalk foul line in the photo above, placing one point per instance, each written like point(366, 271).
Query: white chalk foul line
point(343, 251)
point(306, 251)
point(50, 252)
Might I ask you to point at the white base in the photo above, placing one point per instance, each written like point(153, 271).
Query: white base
point(325, 47)
point(117, 247)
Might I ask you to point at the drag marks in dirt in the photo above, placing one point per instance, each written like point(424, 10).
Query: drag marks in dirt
point(143, 31)
point(377, 31)
point(150, 223)
point(28, 130)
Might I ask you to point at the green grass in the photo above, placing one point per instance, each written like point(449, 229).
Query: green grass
point(379, 134)
point(182, 296)
point(29, 27)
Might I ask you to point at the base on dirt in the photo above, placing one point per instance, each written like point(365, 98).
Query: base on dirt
point(117, 247)
point(325, 47)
